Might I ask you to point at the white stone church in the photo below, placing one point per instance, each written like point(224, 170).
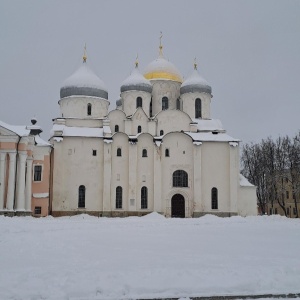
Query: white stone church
point(159, 150)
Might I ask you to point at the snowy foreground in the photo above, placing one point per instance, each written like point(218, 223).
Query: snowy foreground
point(85, 257)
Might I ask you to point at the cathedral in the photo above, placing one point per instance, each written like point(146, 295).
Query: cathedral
point(159, 150)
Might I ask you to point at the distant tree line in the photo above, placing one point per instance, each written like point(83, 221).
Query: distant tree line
point(274, 167)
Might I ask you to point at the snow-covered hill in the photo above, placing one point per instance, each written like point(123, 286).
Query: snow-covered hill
point(85, 257)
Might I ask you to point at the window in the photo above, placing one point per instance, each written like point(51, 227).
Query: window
point(180, 178)
point(139, 129)
point(294, 210)
point(81, 197)
point(37, 210)
point(165, 103)
point(151, 108)
point(275, 211)
point(214, 198)
point(287, 211)
point(119, 152)
point(178, 104)
point(94, 152)
point(167, 153)
point(89, 109)
point(37, 173)
point(139, 102)
point(116, 128)
point(144, 154)
point(198, 113)
point(161, 132)
point(119, 197)
point(144, 198)
point(287, 194)
point(270, 211)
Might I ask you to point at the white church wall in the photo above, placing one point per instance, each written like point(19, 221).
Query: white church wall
point(164, 88)
point(91, 123)
point(215, 173)
point(76, 107)
point(188, 104)
point(74, 166)
point(139, 118)
point(247, 206)
point(129, 101)
point(172, 120)
point(117, 117)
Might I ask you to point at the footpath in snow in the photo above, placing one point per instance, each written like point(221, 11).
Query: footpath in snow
point(85, 257)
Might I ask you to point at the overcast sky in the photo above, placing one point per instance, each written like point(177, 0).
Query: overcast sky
point(249, 51)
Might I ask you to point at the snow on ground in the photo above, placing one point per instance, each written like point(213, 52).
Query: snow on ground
point(85, 257)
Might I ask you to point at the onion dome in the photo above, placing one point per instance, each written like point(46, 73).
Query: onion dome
point(162, 69)
point(136, 82)
point(84, 82)
point(195, 83)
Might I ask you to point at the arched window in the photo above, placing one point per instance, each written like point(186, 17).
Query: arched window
point(119, 152)
point(165, 103)
point(151, 108)
point(89, 109)
point(198, 112)
point(180, 178)
point(139, 130)
point(144, 153)
point(178, 104)
point(116, 128)
point(139, 102)
point(81, 197)
point(167, 153)
point(214, 198)
point(161, 132)
point(144, 197)
point(119, 197)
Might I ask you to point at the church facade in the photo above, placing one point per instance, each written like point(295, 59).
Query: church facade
point(159, 150)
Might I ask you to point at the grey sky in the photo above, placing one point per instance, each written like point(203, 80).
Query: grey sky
point(249, 51)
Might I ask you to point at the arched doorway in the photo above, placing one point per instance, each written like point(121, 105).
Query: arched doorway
point(178, 206)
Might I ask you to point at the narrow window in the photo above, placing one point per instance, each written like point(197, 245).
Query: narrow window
point(89, 109)
point(81, 197)
point(287, 194)
point(161, 132)
point(151, 108)
point(144, 198)
point(178, 104)
point(165, 103)
point(37, 173)
point(198, 113)
point(214, 198)
point(119, 197)
point(119, 152)
point(139, 102)
point(139, 129)
point(167, 153)
point(270, 213)
point(180, 178)
point(294, 210)
point(116, 128)
point(287, 211)
point(37, 210)
point(94, 152)
point(144, 154)
point(276, 211)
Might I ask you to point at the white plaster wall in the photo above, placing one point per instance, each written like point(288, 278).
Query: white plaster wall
point(215, 173)
point(129, 101)
point(164, 88)
point(117, 117)
point(188, 104)
point(139, 119)
point(181, 158)
point(74, 165)
point(247, 201)
point(172, 120)
point(93, 123)
point(76, 107)
point(145, 170)
point(120, 170)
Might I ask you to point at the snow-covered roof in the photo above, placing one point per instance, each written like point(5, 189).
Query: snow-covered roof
point(195, 83)
point(22, 130)
point(83, 82)
point(76, 131)
point(208, 125)
point(244, 181)
point(211, 137)
point(161, 68)
point(136, 81)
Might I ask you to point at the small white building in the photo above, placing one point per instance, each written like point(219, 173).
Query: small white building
point(159, 150)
